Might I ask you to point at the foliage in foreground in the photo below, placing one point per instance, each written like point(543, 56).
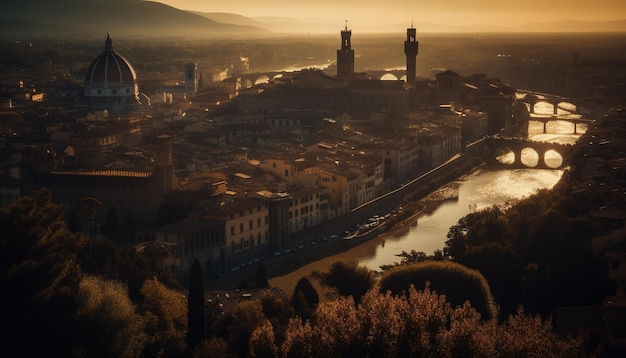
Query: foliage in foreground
point(420, 324)
point(348, 278)
point(457, 282)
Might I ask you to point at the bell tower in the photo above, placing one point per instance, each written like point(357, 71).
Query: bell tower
point(410, 50)
point(345, 56)
point(164, 171)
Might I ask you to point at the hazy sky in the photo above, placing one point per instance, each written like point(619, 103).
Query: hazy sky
point(446, 12)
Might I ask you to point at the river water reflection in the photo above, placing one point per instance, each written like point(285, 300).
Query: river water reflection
point(480, 189)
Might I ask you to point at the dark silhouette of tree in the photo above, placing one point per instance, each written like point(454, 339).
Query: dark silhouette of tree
point(244, 319)
point(131, 229)
point(39, 276)
point(457, 282)
point(214, 347)
point(110, 227)
point(261, 276)
point(278, 312)
point(348, 278)
point(73, 224)
point(243, 285)
point(196, 331)
point(407, 258)
point(304, 299)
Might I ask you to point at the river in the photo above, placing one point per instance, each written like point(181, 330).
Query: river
point(480, 189)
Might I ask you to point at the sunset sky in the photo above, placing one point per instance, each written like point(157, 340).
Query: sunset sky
point(449, 12)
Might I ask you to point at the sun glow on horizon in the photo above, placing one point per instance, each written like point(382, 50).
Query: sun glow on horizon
point(370, 14)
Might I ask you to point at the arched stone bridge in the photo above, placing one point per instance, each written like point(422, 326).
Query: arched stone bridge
point(568, 104)
point(575, 121)
point(395, 74)
point(250, 79)
point(496, 146)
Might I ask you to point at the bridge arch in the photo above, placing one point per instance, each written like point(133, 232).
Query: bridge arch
point(553, 159)
point(567, 106)
point(529, 157)
point(247, 83)
point(522, 153)
point(388, 77)
point(505, 156)
point(261, 79)
point(578, 125)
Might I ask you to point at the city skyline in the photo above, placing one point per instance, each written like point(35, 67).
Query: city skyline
point(370, 13)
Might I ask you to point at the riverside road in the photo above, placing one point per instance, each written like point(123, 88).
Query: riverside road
point(332, 230)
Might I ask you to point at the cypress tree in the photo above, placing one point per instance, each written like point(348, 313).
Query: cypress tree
point(305, 298)
point(196, 328)
point(261, 276)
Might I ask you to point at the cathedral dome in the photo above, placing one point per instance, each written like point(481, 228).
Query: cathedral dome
point(110, 81)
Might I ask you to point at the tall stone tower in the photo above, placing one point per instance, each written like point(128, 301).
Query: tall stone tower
point(191, 79)
point(345, 56)
point(410, 50)
point(164, 171)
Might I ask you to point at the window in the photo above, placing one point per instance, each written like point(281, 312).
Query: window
point(232, 230)
point(241, 227)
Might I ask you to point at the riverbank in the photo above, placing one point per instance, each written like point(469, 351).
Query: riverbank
point(286, 277)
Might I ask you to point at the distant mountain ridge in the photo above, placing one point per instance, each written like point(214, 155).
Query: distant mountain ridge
point(309, 25)
point(137, 18)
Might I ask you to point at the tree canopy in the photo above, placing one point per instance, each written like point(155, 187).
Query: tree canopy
point(39, 274)
point(457, 282)
point(347, 278)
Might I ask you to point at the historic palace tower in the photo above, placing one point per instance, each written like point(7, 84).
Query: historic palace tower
point(164, 171)
point(410, 50)
point(345, 56)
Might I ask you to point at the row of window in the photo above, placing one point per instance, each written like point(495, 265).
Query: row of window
point(201, 240)
point(246, 243)
point(250, 225)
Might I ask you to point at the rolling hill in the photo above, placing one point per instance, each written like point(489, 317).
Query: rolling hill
point(80, 18)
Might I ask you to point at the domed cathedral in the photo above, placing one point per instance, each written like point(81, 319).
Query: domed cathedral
point(111, 82)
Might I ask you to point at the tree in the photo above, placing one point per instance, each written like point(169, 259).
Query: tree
point(262, 342)
point(418, 324)
point(244, 319)
point(261, 276)
point(110, 227)
point(165, 314)
point(348, 278)
point(457, 282)
point(304, 299)
point(196, 330)
point(107, 324)
point(39, 276)
point(278, 312)
point(214, 347)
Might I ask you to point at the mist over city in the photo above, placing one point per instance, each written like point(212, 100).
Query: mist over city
point(293, 179)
